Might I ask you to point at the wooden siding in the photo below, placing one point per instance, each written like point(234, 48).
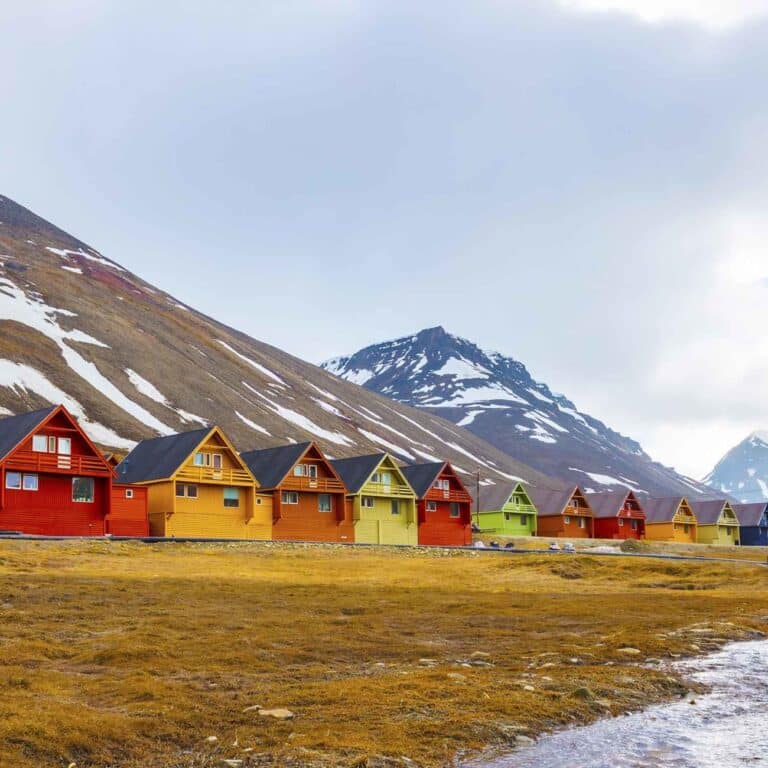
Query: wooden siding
point(517, 517)
point(305, 522)
point(566, 525)
point(718, 534)
point(437, 527)
point(378, 525)
point(128, 516)
point(682, 532)
point(620, 527)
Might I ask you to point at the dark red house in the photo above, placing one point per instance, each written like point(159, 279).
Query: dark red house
point(53, 479)
point(443, 504)
point(618, 515)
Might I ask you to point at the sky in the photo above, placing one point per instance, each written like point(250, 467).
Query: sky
point(579, 184)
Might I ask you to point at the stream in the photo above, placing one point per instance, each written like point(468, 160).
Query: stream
point(725, 728)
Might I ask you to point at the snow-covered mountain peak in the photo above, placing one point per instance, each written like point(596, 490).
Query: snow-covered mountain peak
point(743, 471)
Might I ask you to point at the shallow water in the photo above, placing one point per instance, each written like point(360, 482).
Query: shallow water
point(726, 728)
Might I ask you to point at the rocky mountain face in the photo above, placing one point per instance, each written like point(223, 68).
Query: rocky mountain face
point(743, 471)
point(495, 398)
point(130, 361)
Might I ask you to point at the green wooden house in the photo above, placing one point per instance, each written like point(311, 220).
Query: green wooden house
point(506, 509)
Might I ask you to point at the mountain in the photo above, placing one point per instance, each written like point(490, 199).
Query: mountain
point(495, 398)
point(743, 471)
point(131, 361)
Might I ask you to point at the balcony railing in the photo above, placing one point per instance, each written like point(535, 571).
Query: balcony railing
point(210, 475)
point(32, 461)
point(380, 489)
point(578, 511)
point(520, 509)
point(319, 484)
point(438, 494)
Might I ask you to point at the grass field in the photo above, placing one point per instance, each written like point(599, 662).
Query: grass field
point(124, 654)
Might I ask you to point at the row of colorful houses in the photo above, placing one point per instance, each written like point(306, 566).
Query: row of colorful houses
point(55, 481)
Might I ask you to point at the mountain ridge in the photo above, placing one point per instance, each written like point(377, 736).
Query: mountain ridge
point(743, 471)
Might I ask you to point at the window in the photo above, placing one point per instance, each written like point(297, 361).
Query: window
point(567, 520)
point(65, 446)
point(30, 483)
point(385, 478)
point(621, 522)
point(305, 470)
point(217, 460)
point(395, 509)
point(199, 460)
point(634, 525)
point(582, 523)
point(324, 502)
point(366, 502)
point(231, 497)
point(455, 509)
point(523, 519)
point(51, 444)
point(686, 528)
point(575, 503)
point(507, 516)
point(40, 444)
point(83, 490)
point(431, 506)
point(186, 491)
point(13, 480)
point(289, 497)
point(129, 493)
point(442, 484)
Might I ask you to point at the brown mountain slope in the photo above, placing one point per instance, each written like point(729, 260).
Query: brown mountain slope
point(132, 362)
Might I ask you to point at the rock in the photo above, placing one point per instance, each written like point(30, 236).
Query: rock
point(254, 708)
point(427, 662)
point(694, 647)
point(480, 655)
point(212, 739)
point(277, 714)
point(457, 676)
point(574, 661)
point(584, 694)
point(630, 651)
point(232, 763)
point(529, 688)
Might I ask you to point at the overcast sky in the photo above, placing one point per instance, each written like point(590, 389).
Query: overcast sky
point(580, 184)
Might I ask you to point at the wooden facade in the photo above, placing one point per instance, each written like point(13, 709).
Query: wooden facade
point(380, 502)
point(618, 515)
point(128, 511)
point(670, 519)
point(53, 480)
point(443, 505)
point(507, 510)
point(753, 524)
point(564, 513)
point(308, 496)
point(198, 487)
point(716, 522)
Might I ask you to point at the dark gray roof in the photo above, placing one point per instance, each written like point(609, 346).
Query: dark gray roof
point(551, 501)
point(355, 471)
point(708, 511)
point(750, 515)
point(15, 428)
point(609, 504)
point(271, 465)
point(494, 497)
point(160, 457)
point(662, 510)
point(422, 476)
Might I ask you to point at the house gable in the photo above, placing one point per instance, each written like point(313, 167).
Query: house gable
point(519, 498)
point(398, 486)
point(215, 459)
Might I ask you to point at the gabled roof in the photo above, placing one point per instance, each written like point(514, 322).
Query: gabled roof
point(708, 511)
point(422, 476)
point(750, 515)
point(271, 465)
point(14, 429)
point(662, 510)
point(551, 501)
point(610, 503)
point(160, 457)
point(494, 497)
point(355, 471)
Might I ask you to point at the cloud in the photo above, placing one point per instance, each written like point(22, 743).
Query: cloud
point(713, 14)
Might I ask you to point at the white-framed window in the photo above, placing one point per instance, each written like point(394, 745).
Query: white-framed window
point(186, 491)
point(199, 460)
point(431, 506)
point(455, 509)
point(324, 502)
point(567, 519)
point(51, 444)
point(40, 443)
point(442, 484)
point(621, 522)
point(13, 481)
point(305, 470)
point(231, 497)
point(582, 523)
point(30, 483)
point(385, 478)
point(395, 507)
point(206, 459)
point(367, 502)
point(83, 490)
point(129, 493)
point(289, 497)
point(65, 446)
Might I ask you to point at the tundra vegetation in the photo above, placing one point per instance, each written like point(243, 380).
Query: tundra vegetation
point(177, 655)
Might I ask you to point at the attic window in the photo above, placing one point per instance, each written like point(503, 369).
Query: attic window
point(305, 470)
point(40, 444)
point(442, 484)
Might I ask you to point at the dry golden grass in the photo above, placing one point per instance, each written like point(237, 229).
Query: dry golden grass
point(123, 654)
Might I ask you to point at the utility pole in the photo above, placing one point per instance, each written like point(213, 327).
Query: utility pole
point(477, 499)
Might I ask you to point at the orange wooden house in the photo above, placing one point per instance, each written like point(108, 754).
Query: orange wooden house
point(564, 513)
point(443, 504)
point(308, 496)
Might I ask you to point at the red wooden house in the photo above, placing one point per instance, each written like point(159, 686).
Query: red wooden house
point(564, 512)
point(53, 479)
point(443, 504)
point(308, 495)
point(128, 511)
point(618, 515)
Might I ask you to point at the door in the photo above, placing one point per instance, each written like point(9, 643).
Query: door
point(64, 460)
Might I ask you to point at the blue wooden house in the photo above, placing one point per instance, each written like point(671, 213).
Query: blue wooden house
point(753, 520)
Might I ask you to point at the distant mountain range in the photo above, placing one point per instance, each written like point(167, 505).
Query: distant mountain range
point(494, 397)
point(131, 361)
point(743, 471)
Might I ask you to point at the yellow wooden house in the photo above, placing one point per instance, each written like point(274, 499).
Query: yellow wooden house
point(198, 487)
point(670, 519)
point(380, 500)
point(717, 522)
